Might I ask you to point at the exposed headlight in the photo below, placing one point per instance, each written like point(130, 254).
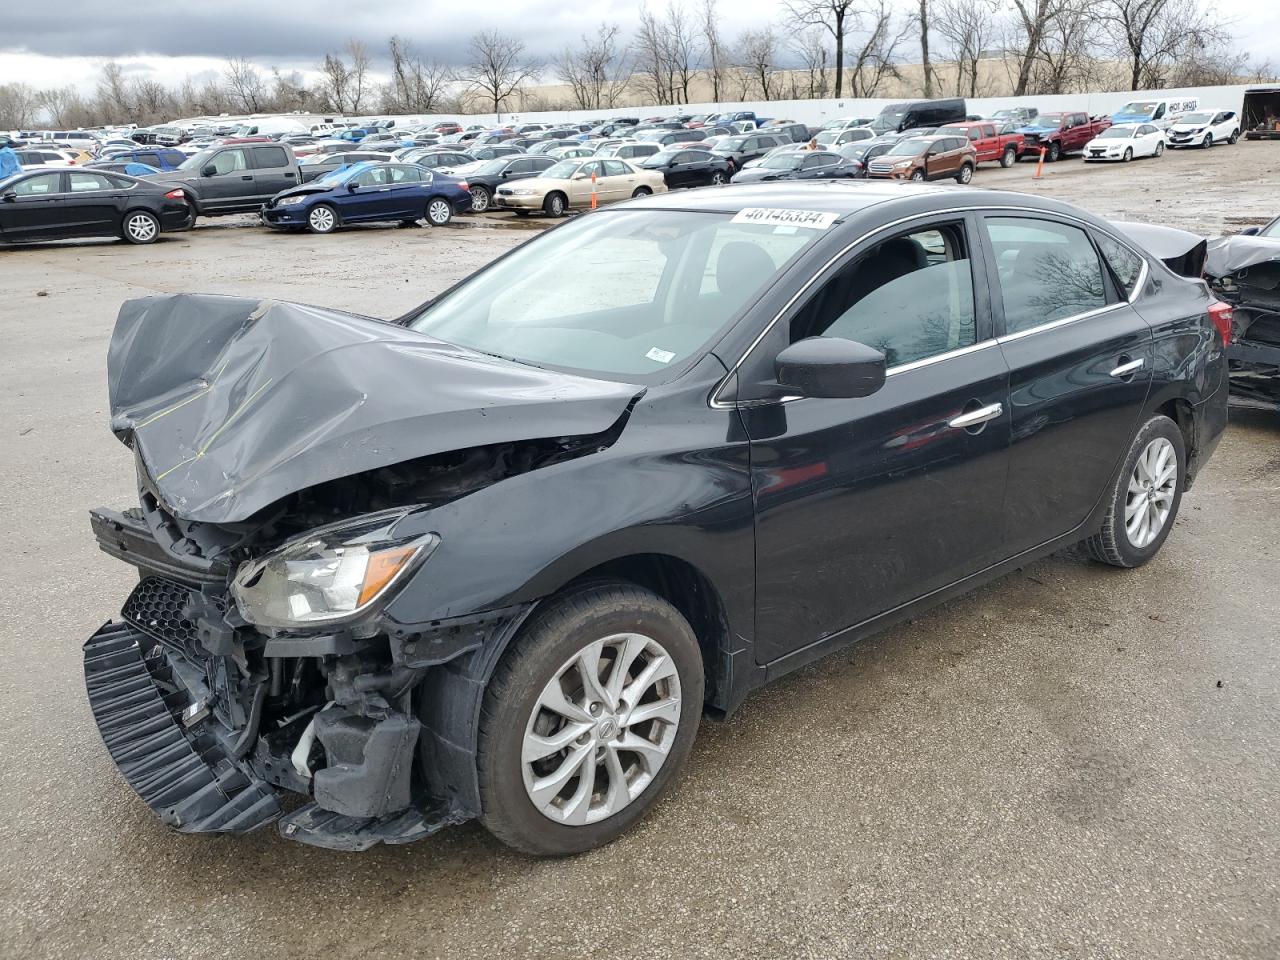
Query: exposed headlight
point(520, 192)
point(329, 574)
point(290, 201)
point(903, 163)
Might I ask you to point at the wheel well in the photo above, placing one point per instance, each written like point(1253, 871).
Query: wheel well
point(687, 589)
point(1179, 411)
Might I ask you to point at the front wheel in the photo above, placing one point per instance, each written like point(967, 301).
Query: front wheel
point(917, 176)
point(587, 718)
point(719, 179)
point(965, 175)
point(139, 226)
point(1009, 157)
point(1208, 141)
point(1145, 499)
point(438, 212)
point(1055, 152)
point(1128, 154)
point(480, 199)
point(322, 219)
point(1160, 149)
point(555, 205)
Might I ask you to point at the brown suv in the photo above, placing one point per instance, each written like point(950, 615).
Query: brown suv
point(927, 158)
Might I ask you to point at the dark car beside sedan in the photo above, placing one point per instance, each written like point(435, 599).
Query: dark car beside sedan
point(797, 164)
point(494, 559)
point(688, 168)
point(485, 179)
point(369, 193)
point(65, 204)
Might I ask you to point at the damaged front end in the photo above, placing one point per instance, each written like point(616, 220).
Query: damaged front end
point(284, 500)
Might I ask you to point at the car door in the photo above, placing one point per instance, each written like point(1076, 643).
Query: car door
point(230, 184)
point(407, 198)
point(863, 505)
point(621, 179)
point(272, 171)
point(1080, 361)
point(371, 197)
point(816, 165)
point(92, 204)
point(988, 143)
point(31, 208)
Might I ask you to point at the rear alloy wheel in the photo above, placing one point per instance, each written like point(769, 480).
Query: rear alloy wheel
point(140, 227)
point(587, 718)
point(641, 192)
point(718, 179)
point(1128, 154)
point(555, 205)
point(1009, 157)
point(965, 175)
point(1145, 500)
point(439, 212)
point(1235, 136)
point(480, 199)
point(322, 219)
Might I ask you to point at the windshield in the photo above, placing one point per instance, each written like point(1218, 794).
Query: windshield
point(562, 170)
point(494, 166)
point(334, 177)
point(731, 143)
point(1195, 118)
point(1272, 229)
point(1117, 133)
point(781, 161)
point(1142, 107)
point(663, 283)
point(196, 160)
point(889, 117)
point(908, 148)
point(828, 137)
point(1047, 120)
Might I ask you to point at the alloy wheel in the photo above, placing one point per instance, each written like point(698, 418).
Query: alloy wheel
point(141, 228)
point(1152, 486)
point(601, 729)
point(321, 220)
point(479, 199)
point(438, 212)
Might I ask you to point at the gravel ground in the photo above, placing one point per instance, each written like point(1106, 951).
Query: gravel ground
point(1071, 762)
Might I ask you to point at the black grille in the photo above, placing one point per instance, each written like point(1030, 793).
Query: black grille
point(160, 608)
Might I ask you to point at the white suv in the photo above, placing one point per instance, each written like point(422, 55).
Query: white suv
point(1204, 128)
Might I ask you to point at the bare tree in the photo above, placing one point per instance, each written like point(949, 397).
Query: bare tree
point(151, 99)
point(758, 56)
point(810, 81)
point(1153, 35)
point(18, 105)
point(245, 85)
point(966, 28)
point(1068, 61)
point(654, 73)
point(113, 94)
point(717, 54)
point(596, 72)
point(922, 22)
point(417, 85)
point(875, 51)
point(498, 67)
point(837, 17)
point(343, 81)
point(288, 90)
point(357, 73)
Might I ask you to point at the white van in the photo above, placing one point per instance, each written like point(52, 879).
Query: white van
point(270, 126)
point(1158, 111)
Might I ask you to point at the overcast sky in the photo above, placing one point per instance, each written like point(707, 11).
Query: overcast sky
point(66, 43)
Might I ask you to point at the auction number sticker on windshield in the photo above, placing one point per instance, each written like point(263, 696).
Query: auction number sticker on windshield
point(785, 218)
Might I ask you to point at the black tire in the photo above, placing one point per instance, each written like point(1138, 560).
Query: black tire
point(965, 176)
point(1160, 149)
point(1009, 157)
point(917, 176)
point(438, 212)
point(1234, 138)
point(556, 204)
point(1055, 152)
point(1128, 154)
point(139, 226)
point(1208, 141)
point(322, 218)
point(1111, 544)
point(719, 178)
point(641, 192)
point(560, 628)
point(481, 199)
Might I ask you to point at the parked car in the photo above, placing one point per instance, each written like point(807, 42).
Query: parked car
point(439, 159)
point(1204, 128)
point(44, 157)
point(830, 139)
point(681, 167)
point(163, 158)
point(862, 152)
point(847, 123)
point(571, 153)
point(927, 158)
point(547, 146)
point(1061, 133)
point(322, 164)
point(63, 204)
point(1018, 116)
point(742, 148)
point(992, 140)
point(1158, 112)
point(630, 150)
point(797, 165)
point(485, 179)
point(493, 151)
point(367, 193)
point(795, 132)
point(1125, 142)
point(707, 412)
point(568, 185)
point(233, 179)
point(898, 117)
point(665, 138)
point(129, 167)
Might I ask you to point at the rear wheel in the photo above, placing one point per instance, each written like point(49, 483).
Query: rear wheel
point(641, 192)
point(322, 219)
point(139, 226)
point(1235, 136)
point(555, 205)
point(438, 211)
point(966, 174)
point(1145, 500)
point(480, 199)
point(1009, 157)
point(587, 718)
point(719, 178)
point(1160, 149)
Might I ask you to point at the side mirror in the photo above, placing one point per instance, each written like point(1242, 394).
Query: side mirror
point(12, 195)
point(830, 367)
point(209, 170)
point(352, 187)
point(506, 173)
point(1246, 232)
point(671, 162)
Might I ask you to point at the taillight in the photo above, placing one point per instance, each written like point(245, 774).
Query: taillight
point(1220, 313)
point(175, 195)
point(464, 186)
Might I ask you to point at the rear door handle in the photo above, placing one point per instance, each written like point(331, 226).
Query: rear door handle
point(1125, 369)
point(975, 417)
point(250, 177)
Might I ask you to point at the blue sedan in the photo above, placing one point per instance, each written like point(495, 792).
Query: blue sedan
point(367, 192)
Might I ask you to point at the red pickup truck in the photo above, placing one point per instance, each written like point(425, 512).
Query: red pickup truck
point(1061, 133)
point(993, 139)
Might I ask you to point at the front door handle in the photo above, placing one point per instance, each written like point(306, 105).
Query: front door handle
point(975, 417)
point(1127, 369)
point(250, 177)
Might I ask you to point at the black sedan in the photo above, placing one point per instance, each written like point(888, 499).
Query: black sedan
point(689, 168)
point(62, 204)
point(861, 152)
point(496, 558)
point(484, 179)
point(798, 164)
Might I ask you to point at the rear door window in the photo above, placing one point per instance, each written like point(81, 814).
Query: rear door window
point(1048, 271)
point(80, 182)
point(1125, 265)
point(268, 158)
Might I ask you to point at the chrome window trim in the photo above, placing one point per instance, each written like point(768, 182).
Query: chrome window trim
point(716, 403)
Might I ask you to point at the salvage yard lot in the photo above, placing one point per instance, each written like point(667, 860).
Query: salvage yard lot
point(1072, 762)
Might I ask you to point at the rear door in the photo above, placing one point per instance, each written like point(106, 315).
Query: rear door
point(1080, 360)
point(93, 204)
point(272, 171)
point(620, 179)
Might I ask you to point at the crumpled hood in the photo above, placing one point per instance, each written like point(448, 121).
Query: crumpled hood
point(233, 403)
